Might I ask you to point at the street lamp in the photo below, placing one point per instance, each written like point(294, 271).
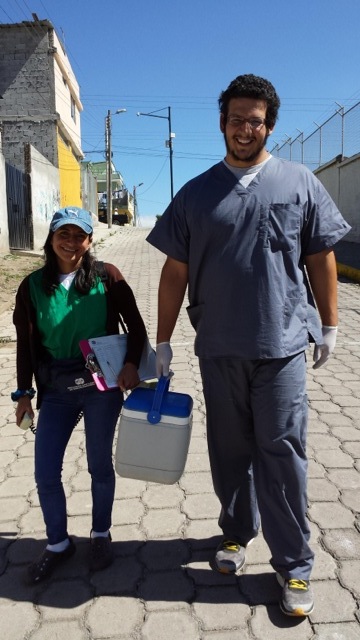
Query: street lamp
point(135, 202)
point(153, 114)
point(108, 156)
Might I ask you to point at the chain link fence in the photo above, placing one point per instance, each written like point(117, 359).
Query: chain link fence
point(339, 135)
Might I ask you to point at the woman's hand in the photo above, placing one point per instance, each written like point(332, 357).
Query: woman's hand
point(23, 406)
point(128, 377)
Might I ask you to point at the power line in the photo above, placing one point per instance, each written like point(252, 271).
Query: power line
point(2, 9)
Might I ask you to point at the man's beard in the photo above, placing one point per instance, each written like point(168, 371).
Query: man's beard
point(252, 155)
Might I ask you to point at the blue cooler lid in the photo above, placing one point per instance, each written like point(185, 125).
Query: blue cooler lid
point(174, 404)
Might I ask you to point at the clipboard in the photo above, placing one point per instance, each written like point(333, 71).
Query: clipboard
point(105, 357)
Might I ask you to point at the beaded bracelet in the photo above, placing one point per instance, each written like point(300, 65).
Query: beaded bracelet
point(20, 393)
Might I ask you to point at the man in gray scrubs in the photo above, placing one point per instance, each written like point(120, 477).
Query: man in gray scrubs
point(240, 236)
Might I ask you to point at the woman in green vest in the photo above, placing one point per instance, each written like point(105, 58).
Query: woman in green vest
point(70, 299)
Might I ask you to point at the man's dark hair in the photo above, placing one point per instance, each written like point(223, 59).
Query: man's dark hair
point(250, 86)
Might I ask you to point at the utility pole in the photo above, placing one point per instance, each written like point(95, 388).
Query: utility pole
point(135, 202)
point(108, 156)
point(108, 169)
point(168, 143)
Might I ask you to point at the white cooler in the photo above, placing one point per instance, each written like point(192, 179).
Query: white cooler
point(154, 434)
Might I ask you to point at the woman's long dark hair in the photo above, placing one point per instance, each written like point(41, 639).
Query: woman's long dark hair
point(85, 277)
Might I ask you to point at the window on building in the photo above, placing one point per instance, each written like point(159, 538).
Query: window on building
point(73, 109)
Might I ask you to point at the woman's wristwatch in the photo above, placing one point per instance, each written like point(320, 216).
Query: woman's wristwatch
point(20, 393)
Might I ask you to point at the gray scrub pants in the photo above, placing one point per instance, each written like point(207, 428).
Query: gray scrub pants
point(256, 428)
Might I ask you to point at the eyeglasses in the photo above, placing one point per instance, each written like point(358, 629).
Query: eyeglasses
point(254, 123)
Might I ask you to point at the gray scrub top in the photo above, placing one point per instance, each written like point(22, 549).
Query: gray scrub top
point(248, 291)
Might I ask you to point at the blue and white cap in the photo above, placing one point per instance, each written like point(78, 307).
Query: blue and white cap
point(72, 215)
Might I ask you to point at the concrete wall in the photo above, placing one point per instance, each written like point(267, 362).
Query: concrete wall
point(27, 108)
point(4, 232)
point(45, 196)
point(329, 175)
point(41, 103)
point(89, 189)
point(69, 170)
point(67, 94)
point(349, 195)
point(341, 178)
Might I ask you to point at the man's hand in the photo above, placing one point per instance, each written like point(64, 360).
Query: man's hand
point(164, 356)
point(323, 351)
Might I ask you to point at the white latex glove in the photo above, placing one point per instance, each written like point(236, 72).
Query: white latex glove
point(323, 351)
point(164, 356)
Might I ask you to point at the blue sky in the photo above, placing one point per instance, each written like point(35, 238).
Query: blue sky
point(145, 55)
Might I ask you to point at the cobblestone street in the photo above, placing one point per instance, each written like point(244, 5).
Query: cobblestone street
point(161, 585)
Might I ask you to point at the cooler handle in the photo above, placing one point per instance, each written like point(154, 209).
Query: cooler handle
point(154, 415)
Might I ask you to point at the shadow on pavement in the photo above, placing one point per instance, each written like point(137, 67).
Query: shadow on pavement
point(157, 570)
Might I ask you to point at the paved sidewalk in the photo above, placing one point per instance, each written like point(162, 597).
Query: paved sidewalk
point(161, 586)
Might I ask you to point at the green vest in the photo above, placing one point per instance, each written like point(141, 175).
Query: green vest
point(67, 316)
